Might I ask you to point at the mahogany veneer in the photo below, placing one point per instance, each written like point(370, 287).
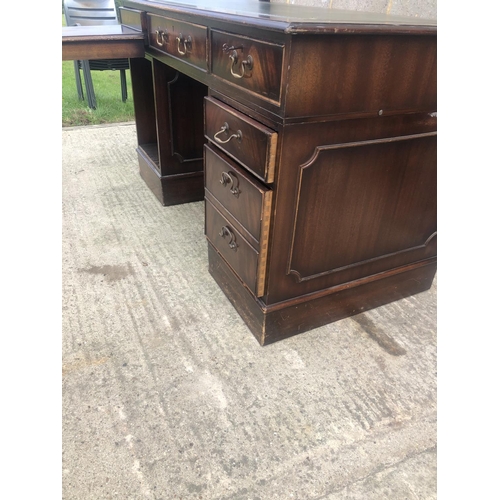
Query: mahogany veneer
point(320, 171)
point(101, 42)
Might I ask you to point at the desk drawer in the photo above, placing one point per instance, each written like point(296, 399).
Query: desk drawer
point(133, 18)
point(244, 139)
point(253, 65)
point(248, 263)
point(246, 199)
point(184, 41)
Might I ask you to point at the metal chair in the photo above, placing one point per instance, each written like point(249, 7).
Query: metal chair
point(94, 13)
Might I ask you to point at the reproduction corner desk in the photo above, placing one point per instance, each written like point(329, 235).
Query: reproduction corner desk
point(311, 135)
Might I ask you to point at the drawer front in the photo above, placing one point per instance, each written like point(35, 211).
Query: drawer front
point(184, 41)
point(244, 139)
point(247, 200)
point(132, 18)
point(253, 65)
point(245, 261)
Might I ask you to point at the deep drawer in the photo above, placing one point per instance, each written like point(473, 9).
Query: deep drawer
point(184, 41)
point(244, 139)
point(253, 65)
point(246, 261)
point(246, 199)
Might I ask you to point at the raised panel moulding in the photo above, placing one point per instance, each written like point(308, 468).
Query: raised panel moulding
point(384, 178)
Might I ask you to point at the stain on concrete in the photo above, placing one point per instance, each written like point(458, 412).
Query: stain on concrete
point(110, 273)
point(383, 340)
point(80, 364)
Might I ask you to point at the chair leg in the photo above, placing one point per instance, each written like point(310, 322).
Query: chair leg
point(78, 79)
point(89, 86)
point(123, 80)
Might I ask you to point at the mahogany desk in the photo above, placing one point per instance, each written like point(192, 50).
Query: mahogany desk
point(311, 135)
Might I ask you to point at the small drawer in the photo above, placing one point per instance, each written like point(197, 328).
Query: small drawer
point(253, 65)
point(246, 261)
point(133, 18)
point(244, 139)
point(246, 199)
point(184, 41)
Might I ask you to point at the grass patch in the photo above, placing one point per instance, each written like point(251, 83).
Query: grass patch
point(110, 108)
point(107, 88)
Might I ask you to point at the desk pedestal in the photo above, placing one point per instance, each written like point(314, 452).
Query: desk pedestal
point(313, 144)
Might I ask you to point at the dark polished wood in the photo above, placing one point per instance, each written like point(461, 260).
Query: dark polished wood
point(246, 140)
point(380, 196)
point(242, 196)
point(272, 323)
point(173, 189)
point(243, 258)
point(101, 42)
point(261, 74)
point(319, 176)
point(351, 212)
point(287, 18)
point(184, 41)
point(169, 110)
point(134, 19)
point(366, 75)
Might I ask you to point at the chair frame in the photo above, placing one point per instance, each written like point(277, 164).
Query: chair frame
point(97, 65)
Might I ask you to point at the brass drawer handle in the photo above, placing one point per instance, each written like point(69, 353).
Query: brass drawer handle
point(230, 178)
point(245, 65)
point(186, 44)
point(224, 129)
point(161, 37)
point(226, 231)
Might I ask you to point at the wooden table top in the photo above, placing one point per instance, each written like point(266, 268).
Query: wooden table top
point(101, 42)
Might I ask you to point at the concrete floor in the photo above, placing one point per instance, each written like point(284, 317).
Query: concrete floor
point(166, 393)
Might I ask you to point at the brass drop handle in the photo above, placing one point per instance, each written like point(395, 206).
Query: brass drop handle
point(226, 231)
point(224, 129)
point(161, 36)
point(186, 44)
point(232, 180)
point(246, 64)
